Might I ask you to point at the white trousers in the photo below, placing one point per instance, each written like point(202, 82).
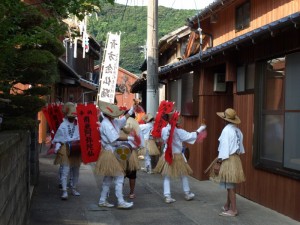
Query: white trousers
point(147, 160)
point(65, 172)
point(185, 185)
point(107, 180)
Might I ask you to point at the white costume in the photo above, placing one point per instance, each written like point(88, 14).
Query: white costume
point(230, 147)
point(179, 166)
point(107, 164)
point(67, 132)
point(150, 148)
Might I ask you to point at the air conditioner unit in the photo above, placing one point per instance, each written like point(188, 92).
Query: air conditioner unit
point(219, 82)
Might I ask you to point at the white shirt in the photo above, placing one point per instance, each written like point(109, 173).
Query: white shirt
point(66, 132)
point(110, 132)
point(230, 142)
point(146, 130)
point(179, 136)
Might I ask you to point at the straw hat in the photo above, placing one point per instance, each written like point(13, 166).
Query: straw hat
point(110, 109)
point(230, 116)
point(69, 109)
point(131, 124)
point(147, 117)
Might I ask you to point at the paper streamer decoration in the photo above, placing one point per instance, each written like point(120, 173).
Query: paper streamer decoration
point(159, 123)
point(168, 153)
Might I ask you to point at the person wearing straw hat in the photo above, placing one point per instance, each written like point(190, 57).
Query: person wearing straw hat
point(107, 164)
point(179, 166)
point(67, 132)
point(150, 148)
point(132, 164)
point(230, 148)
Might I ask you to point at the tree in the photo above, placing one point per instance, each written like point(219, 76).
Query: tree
point(30, 47)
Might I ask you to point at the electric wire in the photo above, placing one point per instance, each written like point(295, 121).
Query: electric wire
point(200, 36)
point(124, 10)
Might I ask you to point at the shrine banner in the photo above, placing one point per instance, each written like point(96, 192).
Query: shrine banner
point(54, 116)
point(168, 153)
point(159, 123)
point(49, 120)
point(87, 116)
point(109, 69)
point(58, 115)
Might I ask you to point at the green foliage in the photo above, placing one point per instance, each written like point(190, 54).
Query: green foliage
point(63, 8)
point(132, 23)
point(21, 112)
point(19, 122)
point(30, 47)
point(38, 91)
point(23, 106)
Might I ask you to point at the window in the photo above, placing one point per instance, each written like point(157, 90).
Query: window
point(189, 100)
point(242, 16)
point(174, 93)
point(184, 92)
point(245, 77)
point(278, 106)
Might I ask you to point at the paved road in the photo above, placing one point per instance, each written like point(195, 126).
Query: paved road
point(149, 208)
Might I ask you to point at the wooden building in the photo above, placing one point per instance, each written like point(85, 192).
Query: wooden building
point(124, 82)
point(243, 54)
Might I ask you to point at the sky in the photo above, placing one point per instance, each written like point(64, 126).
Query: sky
point(176, 4)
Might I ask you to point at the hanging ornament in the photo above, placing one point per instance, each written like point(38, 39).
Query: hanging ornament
point(86, 43)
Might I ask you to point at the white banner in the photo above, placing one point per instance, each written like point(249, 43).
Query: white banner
point(110, 69)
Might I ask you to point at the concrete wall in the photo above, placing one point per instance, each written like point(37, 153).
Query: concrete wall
point(14, 177)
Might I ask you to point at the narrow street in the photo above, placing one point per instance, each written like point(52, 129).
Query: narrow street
point(149, 208)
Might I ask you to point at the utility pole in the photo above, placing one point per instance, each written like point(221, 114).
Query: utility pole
point(152, 58)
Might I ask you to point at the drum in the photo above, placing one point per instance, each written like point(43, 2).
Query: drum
point(73, 148)
point(123, 152)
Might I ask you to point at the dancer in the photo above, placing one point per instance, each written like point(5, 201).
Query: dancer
point(132, 163)
point(150, 148)
point(231, 170)
point(108, 164)
point(68, 135)
point(172, 163)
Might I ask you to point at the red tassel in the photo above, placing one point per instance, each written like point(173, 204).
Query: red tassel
point(137, 139)
point(159, 123)
point(169, 153)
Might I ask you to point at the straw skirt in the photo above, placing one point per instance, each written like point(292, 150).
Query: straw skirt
point(63, 157)
point(178, 168)
point(152, 148)
point(108, 165)
point(133, 162)
point(231, 171)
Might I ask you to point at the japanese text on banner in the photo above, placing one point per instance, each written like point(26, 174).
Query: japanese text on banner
point(89, 133)
point(110, 69)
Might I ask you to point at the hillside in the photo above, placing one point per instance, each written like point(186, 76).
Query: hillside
point(131, 21)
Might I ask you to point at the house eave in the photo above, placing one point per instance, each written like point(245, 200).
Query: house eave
point(291, 20)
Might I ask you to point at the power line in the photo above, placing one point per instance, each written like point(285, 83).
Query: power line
point(124, 10)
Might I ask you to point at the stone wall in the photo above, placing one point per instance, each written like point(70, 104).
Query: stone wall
point(14, 177)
